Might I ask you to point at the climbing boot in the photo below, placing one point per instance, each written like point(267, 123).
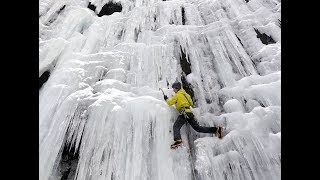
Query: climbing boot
point(176, 143)
point(219, 132)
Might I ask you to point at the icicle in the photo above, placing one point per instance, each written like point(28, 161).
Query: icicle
point(102, 116)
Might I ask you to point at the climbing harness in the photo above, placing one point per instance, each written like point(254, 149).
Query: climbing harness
point(183, 112)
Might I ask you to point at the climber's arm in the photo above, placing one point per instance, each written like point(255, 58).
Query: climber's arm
point(172, 101)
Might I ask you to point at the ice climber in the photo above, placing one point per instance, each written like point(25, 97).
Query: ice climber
point(183, 101)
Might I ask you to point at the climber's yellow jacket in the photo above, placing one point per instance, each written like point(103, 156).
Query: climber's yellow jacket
point(181, 99)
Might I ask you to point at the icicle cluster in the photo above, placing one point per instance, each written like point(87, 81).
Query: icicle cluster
point(102, 62)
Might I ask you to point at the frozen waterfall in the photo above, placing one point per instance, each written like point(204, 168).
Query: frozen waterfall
point(102, 62)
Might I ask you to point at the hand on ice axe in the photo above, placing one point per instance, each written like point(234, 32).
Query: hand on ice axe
point(164, 96)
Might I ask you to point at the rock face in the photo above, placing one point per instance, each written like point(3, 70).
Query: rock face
point(102, 63)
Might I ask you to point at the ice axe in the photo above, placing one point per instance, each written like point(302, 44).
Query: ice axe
point(161, 90)
point(165, 96)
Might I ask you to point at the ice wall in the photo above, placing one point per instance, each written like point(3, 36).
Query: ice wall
point(101, 63)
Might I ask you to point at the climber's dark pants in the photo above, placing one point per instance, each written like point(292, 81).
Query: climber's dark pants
point(181, 120)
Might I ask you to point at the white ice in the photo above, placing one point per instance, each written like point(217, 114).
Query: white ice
point(102, 97)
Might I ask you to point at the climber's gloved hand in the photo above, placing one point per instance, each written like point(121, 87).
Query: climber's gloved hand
point(165, 97)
